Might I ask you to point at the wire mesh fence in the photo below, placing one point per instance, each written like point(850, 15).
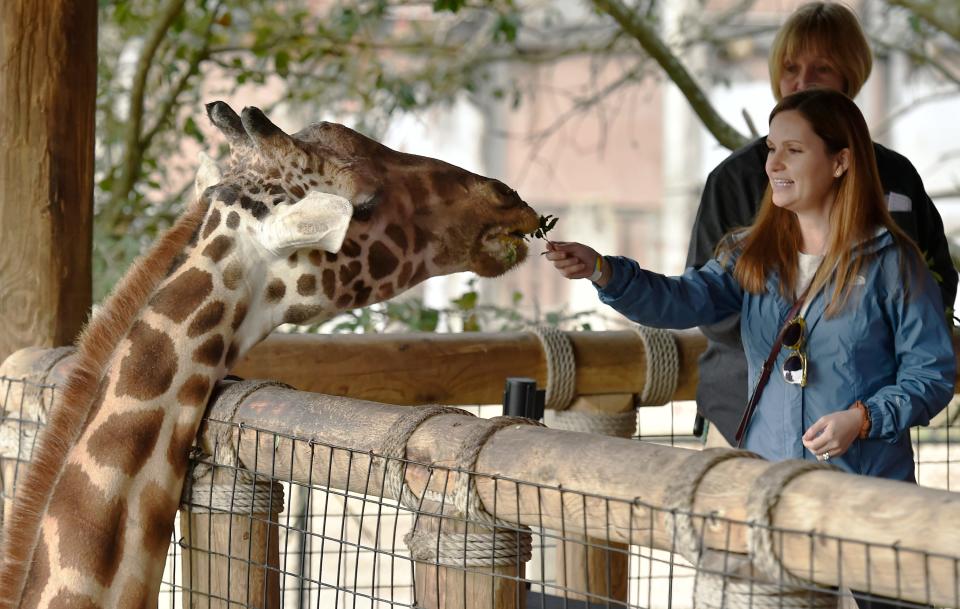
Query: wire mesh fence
point(272, 518)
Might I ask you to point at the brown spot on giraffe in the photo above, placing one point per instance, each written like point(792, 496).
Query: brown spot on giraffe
point(206, 319)
point(297, 192)
point(300, 314)
point(275, 290)
point(239, 314)
point(213, 221)
point(183, 294)
point(381, 261)
point(349, 271)
point(331, 257)
point(420, 275)
point(210, 351)
point(292, 260)
point(385, 291)
point(125, 440)
point(157, 510)
point(397, 235)
point(420, 239)
point(70, 600)
point(329, 282)
point(344, 300)
point(307, 285)
point(364, 236)
point(351, 248)
point(417, 190)
point(217, 249)
point(405, 271)
point(178, 451)
point(195, 391)
point(233, 220)
point(232, 275)
point(362, 293)
point(315, 257)
point(134, 595)
point(96, 521)
point(147, 369)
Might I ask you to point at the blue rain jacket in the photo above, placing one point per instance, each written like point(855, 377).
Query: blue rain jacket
point(892, 352)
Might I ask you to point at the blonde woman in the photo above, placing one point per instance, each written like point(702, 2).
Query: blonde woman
point(826, 285)
point(820, 45)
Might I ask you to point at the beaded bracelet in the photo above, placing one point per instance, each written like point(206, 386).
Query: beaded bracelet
point(865, 427)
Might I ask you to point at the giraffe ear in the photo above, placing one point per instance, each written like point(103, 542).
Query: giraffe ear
point(318, 221)
point(207, 175)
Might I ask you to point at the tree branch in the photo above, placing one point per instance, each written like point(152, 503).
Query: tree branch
point(133, 154)
point(726, 135)
point(941, 14)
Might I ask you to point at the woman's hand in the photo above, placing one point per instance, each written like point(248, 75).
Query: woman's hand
point(576, 260)
point(833, 433)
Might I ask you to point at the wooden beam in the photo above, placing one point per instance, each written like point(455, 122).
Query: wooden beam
point(615, 489)
point(48, 81)
point(465, 368)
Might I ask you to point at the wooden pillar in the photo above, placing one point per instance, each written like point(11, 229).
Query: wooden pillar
point(48, 80)
point(231, 549)
point(469, 581)
point(595, 570)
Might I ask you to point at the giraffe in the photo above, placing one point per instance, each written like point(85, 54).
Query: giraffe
point(93, 518)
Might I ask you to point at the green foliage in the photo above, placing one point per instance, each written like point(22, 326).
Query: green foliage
point(465, 314)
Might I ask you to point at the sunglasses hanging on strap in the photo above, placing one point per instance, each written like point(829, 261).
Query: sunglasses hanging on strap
point(791, 336)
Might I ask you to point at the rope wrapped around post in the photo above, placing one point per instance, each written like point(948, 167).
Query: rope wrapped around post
point(714, 588)
point(505, 544)
point(663, 366)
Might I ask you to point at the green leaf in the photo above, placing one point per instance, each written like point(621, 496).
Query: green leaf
point(448, 5)
point(467, 301)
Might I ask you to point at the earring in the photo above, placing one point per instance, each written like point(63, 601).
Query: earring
point(838, 173)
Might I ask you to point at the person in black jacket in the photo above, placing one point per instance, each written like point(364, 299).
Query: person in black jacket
point(820, 45)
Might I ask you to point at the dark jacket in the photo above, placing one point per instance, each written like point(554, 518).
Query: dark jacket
point(888, 349)
point(731, 198)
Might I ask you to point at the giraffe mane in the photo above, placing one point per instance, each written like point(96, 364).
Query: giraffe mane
point(95, 346)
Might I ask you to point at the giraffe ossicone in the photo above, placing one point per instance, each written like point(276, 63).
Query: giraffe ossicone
point(292, 229)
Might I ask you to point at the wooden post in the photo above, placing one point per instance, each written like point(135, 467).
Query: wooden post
point(231, 551)
point(457, 582)
point(48, 82)
point(597, 567)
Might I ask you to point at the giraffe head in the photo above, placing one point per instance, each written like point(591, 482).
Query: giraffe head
point(413, 217)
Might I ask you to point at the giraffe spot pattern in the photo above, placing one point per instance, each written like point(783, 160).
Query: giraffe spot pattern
point(94, 520)
point(210, 351)
point(147, 369)
point(217, 249)
point(182, 295)
point(37, 576)
point(292, 260)
point(316, 259)
point(362, 293)
point(194, 392)
point(420, 239)
point(329, 282)
point(398, 236)
point(364, 236)
point(206, 319)
point(381, 260)
point(232, 352)
point(417, 190)
point(349, 271)
point(226, 194)
point(350, 248)
point(330, 256)
point(232, 275)
point(233, 220)
point(257, 208)
point(299, 314)
point(157, 512)
point(213, 221)
point(420, 274)
point(71, 600)
point(297, 192)
point(344, 300)
point(275, 290)
point(385, 291)
point(134, 595)
point(239, 314)
point(178, 451)
point(307, 285)
point(126, 440)
point(405, 271)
